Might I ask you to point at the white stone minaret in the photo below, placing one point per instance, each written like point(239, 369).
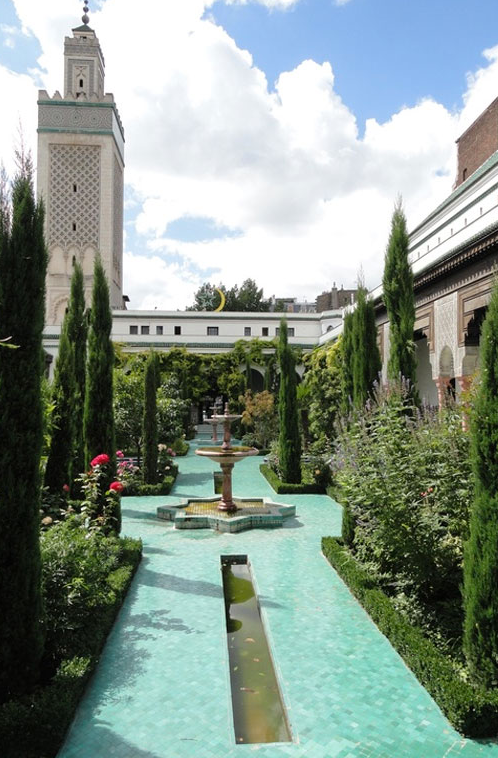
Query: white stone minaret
point(80, 174)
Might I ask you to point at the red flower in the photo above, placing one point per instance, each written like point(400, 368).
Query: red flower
point(99, 460)
point(65, 487)
point(116, 487)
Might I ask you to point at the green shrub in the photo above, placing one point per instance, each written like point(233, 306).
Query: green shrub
point(288, 488)
point(85, 578)
point(404, 477)
point(471, 710)
point(162, 488)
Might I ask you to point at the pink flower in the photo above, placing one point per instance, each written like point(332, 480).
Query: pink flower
point(65, 487)
point(170, 451)
point(100, 460)
point(116, 487)
point(119, 454)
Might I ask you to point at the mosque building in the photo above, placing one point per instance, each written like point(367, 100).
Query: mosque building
point(453, 252)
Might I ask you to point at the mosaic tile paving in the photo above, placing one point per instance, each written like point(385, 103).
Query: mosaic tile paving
point(162, 688)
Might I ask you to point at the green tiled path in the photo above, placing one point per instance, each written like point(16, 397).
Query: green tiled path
point(162, 687)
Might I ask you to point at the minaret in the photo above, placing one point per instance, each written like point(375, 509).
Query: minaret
point(80, 174)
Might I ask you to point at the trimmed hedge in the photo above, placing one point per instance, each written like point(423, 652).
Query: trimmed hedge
point(162, 488)
point(181, 447)
point(473, 711)
point(35, 726)
point(286, 488)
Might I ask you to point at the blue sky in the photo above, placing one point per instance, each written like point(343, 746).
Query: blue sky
point(258, 133)
point(385, 53)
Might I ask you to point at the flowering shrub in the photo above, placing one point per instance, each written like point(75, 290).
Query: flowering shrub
point(101, 509)
point(404, 477)
point(100, 460)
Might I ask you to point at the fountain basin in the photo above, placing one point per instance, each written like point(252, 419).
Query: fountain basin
point(226, 454)
point(203, 513)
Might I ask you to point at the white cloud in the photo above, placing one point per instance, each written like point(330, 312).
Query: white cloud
point(310, 199)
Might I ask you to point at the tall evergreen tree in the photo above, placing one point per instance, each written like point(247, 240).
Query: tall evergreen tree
point(150, 419)
point(347, 386)
point(366, 356)
point(23, 260)
point(98, 420)
point(77, 331)
point(399, 300)
point(289, 441)
point(58, 470)
point(481, 554)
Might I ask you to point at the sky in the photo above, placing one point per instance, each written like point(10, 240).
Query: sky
point(265, 139)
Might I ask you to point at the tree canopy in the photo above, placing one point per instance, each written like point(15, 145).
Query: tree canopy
point(246, 298)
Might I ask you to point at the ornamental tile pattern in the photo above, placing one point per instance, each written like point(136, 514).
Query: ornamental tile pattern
point(74, 192)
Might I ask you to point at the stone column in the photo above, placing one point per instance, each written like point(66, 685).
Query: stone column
point(442, 383)
point(464, 385)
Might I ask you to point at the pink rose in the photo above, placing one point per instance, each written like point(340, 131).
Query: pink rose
point(116, 487)
point(65, 487)
point(119, 454)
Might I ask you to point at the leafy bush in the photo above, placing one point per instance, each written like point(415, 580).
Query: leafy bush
point(471, 710)
point(85, 576)
point(288, 488)
point(162, 488)
point(404, 477)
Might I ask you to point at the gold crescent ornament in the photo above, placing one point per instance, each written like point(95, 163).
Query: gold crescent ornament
point(222, 300)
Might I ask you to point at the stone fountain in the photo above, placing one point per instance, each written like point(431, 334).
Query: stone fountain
point(226, 456)
point(223, 513)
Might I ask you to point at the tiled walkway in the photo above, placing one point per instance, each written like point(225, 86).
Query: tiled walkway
point(162, 687)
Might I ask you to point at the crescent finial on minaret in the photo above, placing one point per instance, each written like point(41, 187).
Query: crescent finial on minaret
point(84, 17)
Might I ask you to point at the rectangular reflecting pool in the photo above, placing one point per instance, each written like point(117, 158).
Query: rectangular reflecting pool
point(258, 709)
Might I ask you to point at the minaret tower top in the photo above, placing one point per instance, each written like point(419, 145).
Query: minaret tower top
point(83, 62)
point(80, 174)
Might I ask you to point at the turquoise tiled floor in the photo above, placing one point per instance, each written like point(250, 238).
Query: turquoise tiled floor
point(162, 689)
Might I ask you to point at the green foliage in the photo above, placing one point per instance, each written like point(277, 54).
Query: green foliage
point(77, 331)
point(128, 409)
point(289, 488)
point(85, 579)
point(289, 451)
point(405, 480)
point(260, 415)
point(23, 261)
point(322, 380)
point(98, 413)
point(472, 711)
point(59, 468)
point(347, 388)
point(366, 356)
point(150, 420)
point(399, 299)
point(481, 557)
point(162, 488)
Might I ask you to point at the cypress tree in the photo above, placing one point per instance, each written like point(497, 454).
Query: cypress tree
point(289, 442)
point(77, 330)
point(481, 554)
point(59, 469)
point(150, 420)
point(347, 387)
point(98, 419)
point(399, 300)
point(366, 356)
point(23, 260)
